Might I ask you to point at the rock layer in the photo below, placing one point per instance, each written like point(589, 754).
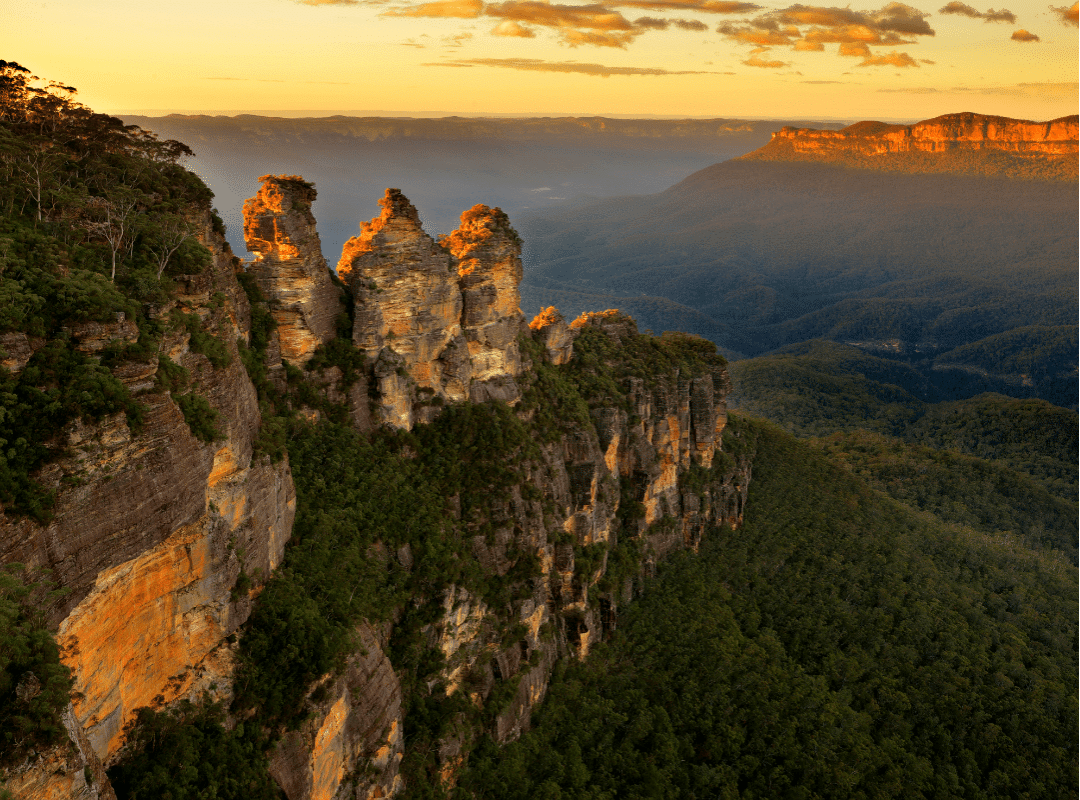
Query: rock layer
point(151, 530)
point(966, 143)
point(289, 265)
point(487, 253)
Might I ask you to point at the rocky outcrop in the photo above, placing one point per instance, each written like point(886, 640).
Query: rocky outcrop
point(407, 313)
point(439, 321)
point(289, 265)
point(965, 143)
point(68, 771)
point(487, 253)
point(164, 539)
point(550, 329)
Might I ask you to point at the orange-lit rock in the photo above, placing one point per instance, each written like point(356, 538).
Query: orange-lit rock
point(965, 142)
point(550, 329)
point(408, 312)
point(355, 732)
point(289, 265)
point(67, 771)
point(151, 529)
point(487, 252)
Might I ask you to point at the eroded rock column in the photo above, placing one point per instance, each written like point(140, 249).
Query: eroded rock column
point(289, 265)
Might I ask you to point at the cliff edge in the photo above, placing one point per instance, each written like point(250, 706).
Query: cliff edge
point(964, 143)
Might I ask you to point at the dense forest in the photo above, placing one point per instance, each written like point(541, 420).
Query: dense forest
point(837, 645)
point(970, 279)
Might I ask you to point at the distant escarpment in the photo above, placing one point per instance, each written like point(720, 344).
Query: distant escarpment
point(467, 498)
point(965, 143)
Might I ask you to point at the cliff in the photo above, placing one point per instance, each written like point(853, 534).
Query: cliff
point(964, 143)
point(474, 499)
point(151, 532)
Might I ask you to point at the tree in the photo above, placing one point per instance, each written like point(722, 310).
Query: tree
point(112, 219)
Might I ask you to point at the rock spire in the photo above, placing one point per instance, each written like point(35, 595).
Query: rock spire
point(289, 265)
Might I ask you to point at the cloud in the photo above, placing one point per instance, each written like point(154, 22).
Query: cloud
point(855, 49)
point(539, 65)
point(459, 9)
point(756, 61)
point(328, 2)
point(889, 60)
point(964, 10)
point(597, 38)
point(758, 36)
point(690, 24)
point(706, 6)
point(457, 40)
point(1063, 90)
point(511, 28)
point(1067, 15)
point(592, 17)
point(652, 23)
point(808, 29)
point(1024, 36)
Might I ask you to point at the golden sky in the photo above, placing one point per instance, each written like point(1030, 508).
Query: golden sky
point(717, 58)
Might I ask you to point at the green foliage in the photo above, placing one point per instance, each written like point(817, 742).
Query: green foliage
point(187, 754)
point(34, 685)
point(58, 384)
point(203, 420)
point(958, 488)
point(200, 341)
point(359, 500)
point(94, 219)
point(836, 646)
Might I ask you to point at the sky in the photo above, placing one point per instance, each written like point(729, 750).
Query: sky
point(692, 58)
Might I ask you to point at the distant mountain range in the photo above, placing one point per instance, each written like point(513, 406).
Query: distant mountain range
point(858, 236)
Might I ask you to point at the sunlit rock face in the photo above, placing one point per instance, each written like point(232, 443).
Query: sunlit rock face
point(351, 744)
point(438, 320)
point(289, 265)
point(407, 313)
point(550, 329)
point(1051, 145)
point(487, 252)
point(152, 528)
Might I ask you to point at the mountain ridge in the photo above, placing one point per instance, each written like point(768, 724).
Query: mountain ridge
point(958, 143)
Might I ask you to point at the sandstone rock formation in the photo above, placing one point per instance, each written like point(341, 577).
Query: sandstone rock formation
point(487, 252)
point(439, 321)
point(964, 143)
point(289, 265)
point(407, 312)
point(352, 745)
point(165, 540)
point(551, 330)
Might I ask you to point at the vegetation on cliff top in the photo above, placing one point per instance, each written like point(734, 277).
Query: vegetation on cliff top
point(96, 218)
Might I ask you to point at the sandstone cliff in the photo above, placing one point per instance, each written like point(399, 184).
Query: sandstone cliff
point(151, 532)
point(963, 143)
point(614, 457)
point(289, 265)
